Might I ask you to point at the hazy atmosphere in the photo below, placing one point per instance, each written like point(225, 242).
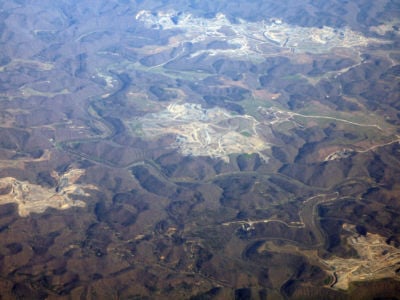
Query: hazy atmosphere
point(200, 149)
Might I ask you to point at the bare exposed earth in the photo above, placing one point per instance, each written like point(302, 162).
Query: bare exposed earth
point(199, 149)
point(247, 38)
point(207, 132)
point(377, 259)
point(33, 198)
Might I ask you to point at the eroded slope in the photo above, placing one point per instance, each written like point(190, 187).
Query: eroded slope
point(33, 198)
point(206, 132)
